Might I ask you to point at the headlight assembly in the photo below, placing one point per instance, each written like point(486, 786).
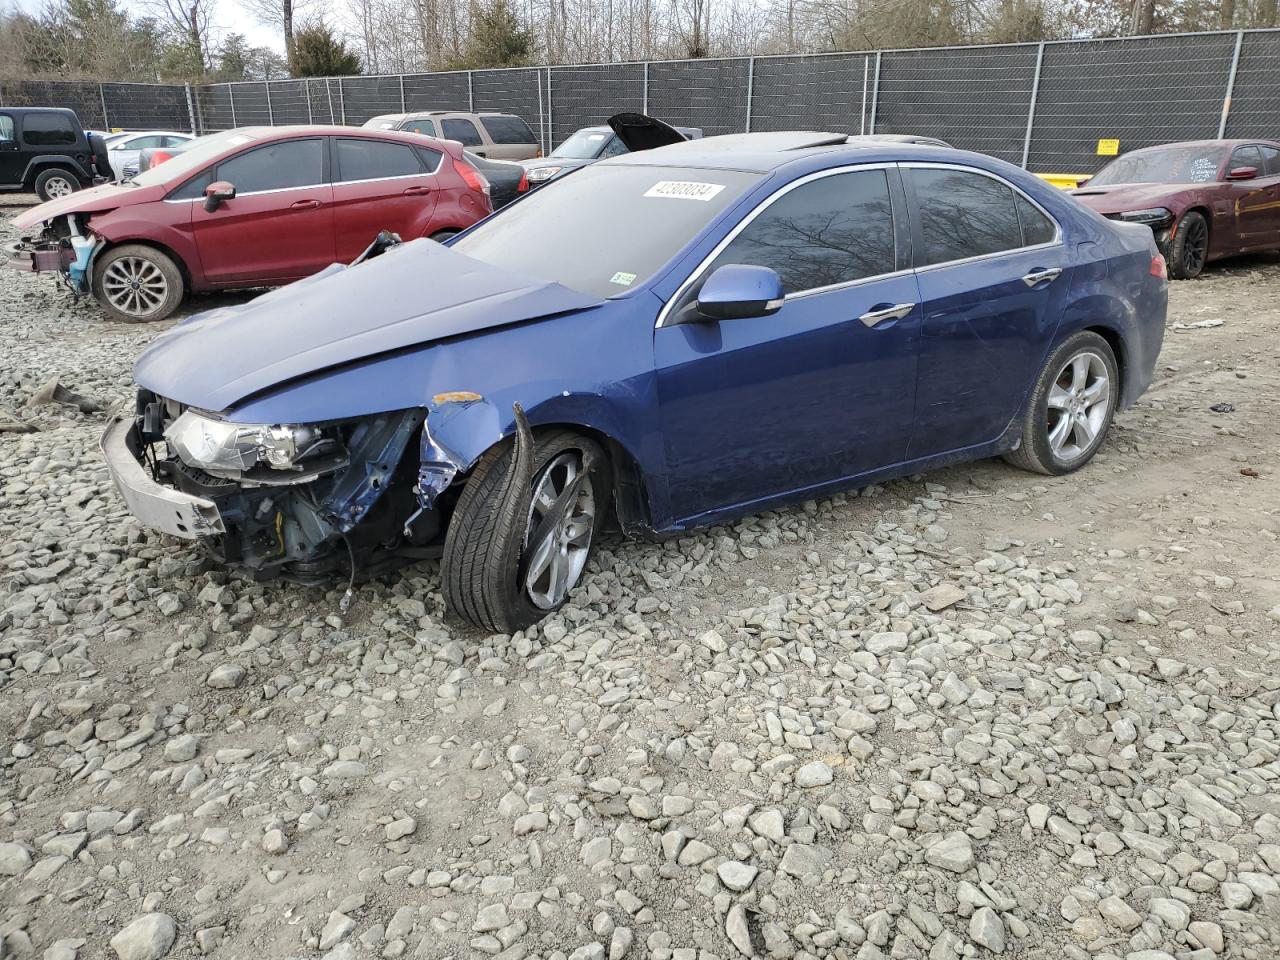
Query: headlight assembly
point(539, 174)
point(1153, 217)
point(232, 449)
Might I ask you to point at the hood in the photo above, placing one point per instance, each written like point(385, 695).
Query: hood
point(109, 196)
point(640, 132)
point(408, 297)
point(1123, 197)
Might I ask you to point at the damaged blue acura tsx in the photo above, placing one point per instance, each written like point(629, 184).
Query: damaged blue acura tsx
point(672, 338)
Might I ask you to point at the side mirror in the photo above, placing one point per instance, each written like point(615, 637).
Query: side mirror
point(1242, 173)
point(217, 192)
point(737, 291)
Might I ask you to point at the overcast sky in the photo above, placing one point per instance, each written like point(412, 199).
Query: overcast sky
point(229, 17)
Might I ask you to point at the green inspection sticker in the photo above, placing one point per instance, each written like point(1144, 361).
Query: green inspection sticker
point(623, 279)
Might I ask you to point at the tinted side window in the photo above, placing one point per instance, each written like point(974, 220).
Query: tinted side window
point(420, 126)
point(613, 148)
point(1036, 227)
point(1270, 156)
point(508, 130)
point(430, 158)
point(193, 189)
point(464, 131)
point(173, 141)
point(48, 130)
point(1246, 157)
point(831, 230)
point(963, 215)
point(375, 160)
point(277, 166)
point(6, 127)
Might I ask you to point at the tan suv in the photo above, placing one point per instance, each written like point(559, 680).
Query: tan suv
point(500, 136)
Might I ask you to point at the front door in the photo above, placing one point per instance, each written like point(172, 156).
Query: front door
point(279, 225)
point(1256, 201)
point(821, 390)
point(380, 185)
point(993, 275)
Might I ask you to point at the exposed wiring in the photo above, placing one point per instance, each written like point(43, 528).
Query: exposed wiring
point(345, 603)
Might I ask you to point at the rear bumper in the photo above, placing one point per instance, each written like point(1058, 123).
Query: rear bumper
point(155, 505)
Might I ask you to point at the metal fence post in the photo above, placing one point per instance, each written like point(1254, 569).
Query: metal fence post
point(1231, 85)
point(471, 97)
point(231, 95)
point(875, 95)
point(542, 114)
point(862, 114)
point(328, 92)
point(751, 82)
point(342, 103)
point(271, 115)
point(402, 106)
point(191, 108)
point(1031, 110)
point(306, 92)
point(102, 97)
point(551, 117)
point(644, 94)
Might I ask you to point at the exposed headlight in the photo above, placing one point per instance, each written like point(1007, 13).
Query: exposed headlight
point(538, 174)
point(230, 449)
point(1153, 217)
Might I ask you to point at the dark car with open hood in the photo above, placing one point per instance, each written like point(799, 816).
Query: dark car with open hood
point(1203, 200)
point(674, 338)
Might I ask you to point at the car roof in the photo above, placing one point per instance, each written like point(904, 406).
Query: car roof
point(38, 110)
point(1234, 142)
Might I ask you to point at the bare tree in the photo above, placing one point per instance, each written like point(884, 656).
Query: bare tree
point(192, 19)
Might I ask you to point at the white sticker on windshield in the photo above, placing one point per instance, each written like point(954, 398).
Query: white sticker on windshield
point(684, 190)
point(623, 279)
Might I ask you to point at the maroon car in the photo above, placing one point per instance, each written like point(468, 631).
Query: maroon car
point(1205, 199)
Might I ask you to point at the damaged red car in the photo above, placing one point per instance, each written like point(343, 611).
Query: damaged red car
point(253, 207)
point(1204, 199)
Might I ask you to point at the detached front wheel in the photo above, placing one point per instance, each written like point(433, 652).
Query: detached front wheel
point(503, 579)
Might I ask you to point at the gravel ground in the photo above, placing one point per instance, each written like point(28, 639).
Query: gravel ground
point(976, 712)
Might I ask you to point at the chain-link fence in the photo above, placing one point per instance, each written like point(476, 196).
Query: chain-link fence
point(1045, 106)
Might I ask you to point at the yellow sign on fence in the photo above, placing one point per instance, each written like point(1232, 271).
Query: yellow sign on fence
point(1108, 148)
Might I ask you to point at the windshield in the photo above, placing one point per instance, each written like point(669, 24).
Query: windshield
point(192, 157)
point(583, 145)
point(605, 228)
point(1186, 164)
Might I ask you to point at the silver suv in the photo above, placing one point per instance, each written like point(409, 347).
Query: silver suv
point(499, 136)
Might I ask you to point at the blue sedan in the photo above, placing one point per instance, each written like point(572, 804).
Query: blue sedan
point(676, 338)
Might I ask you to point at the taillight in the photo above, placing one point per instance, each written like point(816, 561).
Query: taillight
point(471, 176)
point(1159, 268)
point(523, 185)
point(160, 157)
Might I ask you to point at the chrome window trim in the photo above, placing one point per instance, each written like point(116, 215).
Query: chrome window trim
point(746, 221)
point(398, 176)
point(258, 193)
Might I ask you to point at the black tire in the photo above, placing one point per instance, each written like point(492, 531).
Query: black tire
point(164, 288)
point(440, 236)
point(1037, 452)
point(56, 182)
point(1190, 247)
point(482, 572)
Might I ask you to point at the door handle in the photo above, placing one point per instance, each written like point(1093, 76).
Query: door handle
point(304, 205)
point(416, 191)
point(895, 312)
point(1041, 276)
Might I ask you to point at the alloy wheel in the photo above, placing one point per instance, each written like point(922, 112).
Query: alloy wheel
point(134, 285)
point(558, 533)
point(1078, 405)
point(1195, 246)
point(58, 187)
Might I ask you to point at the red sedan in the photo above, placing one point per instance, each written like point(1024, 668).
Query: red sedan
point(1204, 200)
point(258, 206)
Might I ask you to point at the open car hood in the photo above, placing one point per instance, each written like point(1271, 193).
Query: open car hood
point(94, 200)
point(408, 297)
point(639, 132)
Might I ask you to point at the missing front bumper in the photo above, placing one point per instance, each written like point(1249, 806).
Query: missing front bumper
point(155, 505)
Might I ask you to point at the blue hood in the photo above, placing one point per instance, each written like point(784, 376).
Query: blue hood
point(408, 297)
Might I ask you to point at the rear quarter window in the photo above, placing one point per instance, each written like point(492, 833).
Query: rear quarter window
point(464, 131)
point(508, 130)
point(48, 130)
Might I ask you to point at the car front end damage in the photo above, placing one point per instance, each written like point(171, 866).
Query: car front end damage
point(301, 501)
point(65, 245)
point(1159, 219)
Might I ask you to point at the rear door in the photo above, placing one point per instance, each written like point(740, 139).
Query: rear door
point(380, 185)
point(12, 164)
point(509, 138)
point(993, 275)
point(279, 226)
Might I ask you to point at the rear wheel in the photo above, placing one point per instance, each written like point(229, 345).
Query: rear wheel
point(56, 182)
point(1190, 247)
point(1070, 408)
point(504, 583)
point(136, 283)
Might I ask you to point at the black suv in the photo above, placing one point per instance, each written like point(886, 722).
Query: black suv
point(45, 149)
